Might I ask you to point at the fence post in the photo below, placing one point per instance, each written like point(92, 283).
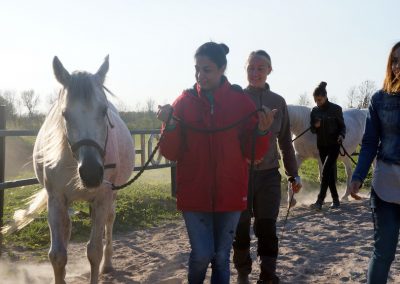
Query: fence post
point(2, 169)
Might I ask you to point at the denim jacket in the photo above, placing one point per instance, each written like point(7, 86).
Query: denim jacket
point(382, 133)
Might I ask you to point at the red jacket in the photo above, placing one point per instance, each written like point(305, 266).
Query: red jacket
point(212, 172)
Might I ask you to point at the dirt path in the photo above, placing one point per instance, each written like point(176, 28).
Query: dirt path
point(317, 247)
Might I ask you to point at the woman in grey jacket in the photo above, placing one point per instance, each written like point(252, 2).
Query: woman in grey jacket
point(264, 202)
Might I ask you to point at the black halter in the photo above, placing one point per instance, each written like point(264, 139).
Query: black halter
point(89, 142)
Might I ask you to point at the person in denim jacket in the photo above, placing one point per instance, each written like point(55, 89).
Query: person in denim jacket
point(382, 140)
point(327, 122)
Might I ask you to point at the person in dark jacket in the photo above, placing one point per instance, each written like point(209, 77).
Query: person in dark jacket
point(382, 140)
point(267, 179)
point(212, 168)
point(328, 123)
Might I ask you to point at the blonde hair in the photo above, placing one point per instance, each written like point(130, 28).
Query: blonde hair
point(391, 84)
point(262, 53)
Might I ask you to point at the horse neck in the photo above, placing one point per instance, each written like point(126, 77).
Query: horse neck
point(299, 119)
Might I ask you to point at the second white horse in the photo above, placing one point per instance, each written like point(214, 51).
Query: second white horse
point(306, 145)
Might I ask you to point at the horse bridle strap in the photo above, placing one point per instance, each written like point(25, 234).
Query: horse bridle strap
point(88, 142)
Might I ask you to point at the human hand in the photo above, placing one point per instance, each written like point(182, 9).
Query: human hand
point(164, 113)
point(295, 184)
point(266, 118)
point(317, 123)
point(355, 188)
point(340, 139)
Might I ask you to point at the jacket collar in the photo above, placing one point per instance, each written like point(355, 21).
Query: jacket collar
point(218, 92)
point(258, 91)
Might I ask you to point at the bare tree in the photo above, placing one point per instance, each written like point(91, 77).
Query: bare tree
point(304, 100)
point(150, 105)
point(334, 99)
point(52, 97)
point(365, 91)
point(30, 100)
point(351, 97)
point(7, 98)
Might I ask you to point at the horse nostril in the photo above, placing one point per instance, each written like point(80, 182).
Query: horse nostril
point(91, 175)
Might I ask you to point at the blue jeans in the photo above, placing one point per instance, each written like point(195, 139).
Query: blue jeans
point(211, 235)
point(386, 217)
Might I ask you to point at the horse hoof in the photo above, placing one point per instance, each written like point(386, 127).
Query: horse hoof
point(356, 197)
point(107, 269)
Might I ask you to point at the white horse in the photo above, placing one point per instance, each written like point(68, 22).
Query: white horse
point(306, 145)
point(80, 136)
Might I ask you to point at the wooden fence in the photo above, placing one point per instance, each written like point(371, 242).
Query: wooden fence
point(144, 152)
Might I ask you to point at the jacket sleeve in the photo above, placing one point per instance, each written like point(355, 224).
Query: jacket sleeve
point(171, 141)
point(286, 145)
point(312, 121)
point(341, 124)
point(369, 145)
point(251, 133)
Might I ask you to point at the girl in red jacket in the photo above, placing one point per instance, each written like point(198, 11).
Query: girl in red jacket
point(212, 168)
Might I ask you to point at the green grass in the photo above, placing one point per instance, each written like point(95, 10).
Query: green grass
point(309, 172)
point(146, 203)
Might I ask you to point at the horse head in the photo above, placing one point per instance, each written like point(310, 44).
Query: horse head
point(84, 110)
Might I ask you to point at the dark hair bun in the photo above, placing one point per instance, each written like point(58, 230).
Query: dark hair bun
point(322, 85)
point(224, 47)
point(321, 89)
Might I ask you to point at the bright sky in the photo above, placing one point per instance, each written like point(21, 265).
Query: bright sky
point(151, 43)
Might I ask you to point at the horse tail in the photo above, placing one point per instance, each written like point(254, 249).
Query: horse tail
point(23, 217)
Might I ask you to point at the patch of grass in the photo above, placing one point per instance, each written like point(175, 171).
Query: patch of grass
point(148, 202)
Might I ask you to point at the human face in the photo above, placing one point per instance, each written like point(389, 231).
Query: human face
point(320, 100)
point(258, 68)
point(208, 75)
point(396, 63)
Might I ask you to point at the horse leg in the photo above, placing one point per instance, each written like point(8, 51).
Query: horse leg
point(94, 247)
point(60, 228)
point(108, 248)
point(349, 171)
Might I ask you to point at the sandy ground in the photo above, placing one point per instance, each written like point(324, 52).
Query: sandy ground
point(332, 246)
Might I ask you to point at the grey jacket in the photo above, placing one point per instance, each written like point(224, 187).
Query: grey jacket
point(280, 131)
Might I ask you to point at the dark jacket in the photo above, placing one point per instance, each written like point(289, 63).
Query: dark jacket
point(332, 123)
point(212, 171)
point(382, 133)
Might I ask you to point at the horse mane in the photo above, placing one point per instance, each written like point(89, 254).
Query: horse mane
point(53, 135)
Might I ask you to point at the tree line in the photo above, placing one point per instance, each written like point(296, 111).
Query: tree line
point(357, 96)
point(22, 111)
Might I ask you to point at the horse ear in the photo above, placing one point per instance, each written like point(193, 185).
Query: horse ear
point(101, 73)
point(60, 72)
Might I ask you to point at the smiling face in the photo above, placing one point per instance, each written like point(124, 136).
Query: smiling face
point(208, 75)
point(258, 68)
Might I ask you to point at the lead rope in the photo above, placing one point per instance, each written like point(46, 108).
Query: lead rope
point(118, 187)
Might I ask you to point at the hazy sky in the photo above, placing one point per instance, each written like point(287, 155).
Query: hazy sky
point(151, 43)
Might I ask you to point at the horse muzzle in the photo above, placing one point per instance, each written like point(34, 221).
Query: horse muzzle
point(90, 169)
